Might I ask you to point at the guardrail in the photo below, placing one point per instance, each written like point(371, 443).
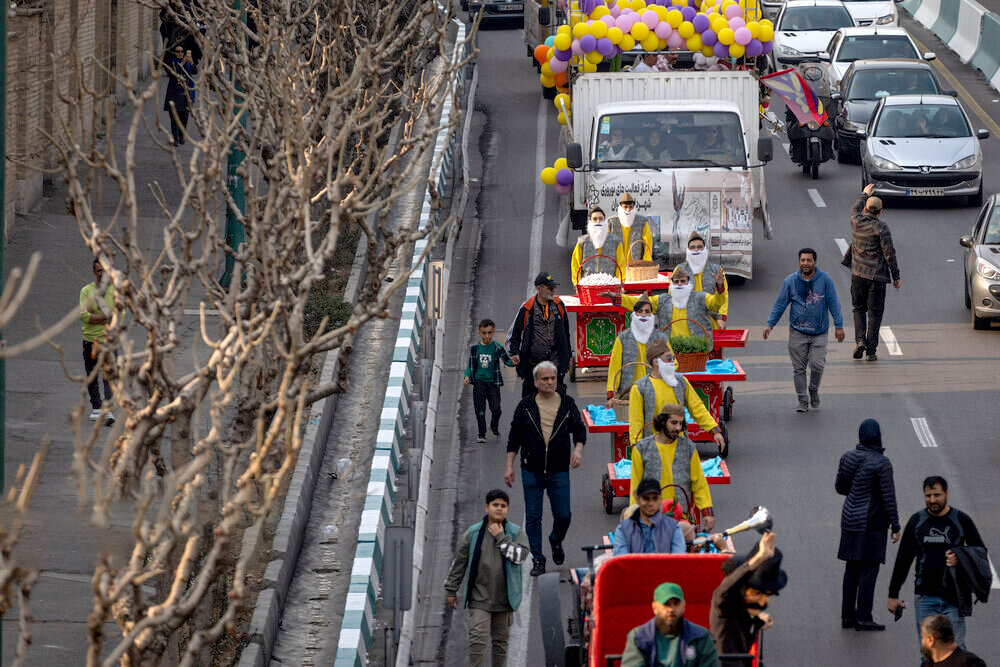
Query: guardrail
point(966, 27)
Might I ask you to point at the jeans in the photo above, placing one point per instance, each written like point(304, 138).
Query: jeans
point(868, 300)
point(556, 485)
point(806, 350)
point(484, 624)
point(483, 393)
point(928, 605)
point(528, 386)
point(859, 590)
point(89, 362)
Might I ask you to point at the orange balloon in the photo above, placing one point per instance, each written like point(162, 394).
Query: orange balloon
point(540, 53)
point(561, 79)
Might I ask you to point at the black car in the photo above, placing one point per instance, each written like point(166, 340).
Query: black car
point(865, 83)
point(495, 9)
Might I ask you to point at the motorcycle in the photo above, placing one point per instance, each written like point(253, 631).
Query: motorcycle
point(810, 144)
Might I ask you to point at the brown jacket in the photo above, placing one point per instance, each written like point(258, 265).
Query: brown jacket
point(872, 254)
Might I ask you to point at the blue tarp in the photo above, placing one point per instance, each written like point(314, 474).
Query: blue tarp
point(719, 367)
point(623, 469)
point(602, 416)
point(712, 467)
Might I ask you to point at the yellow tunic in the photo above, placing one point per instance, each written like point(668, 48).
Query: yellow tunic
point(665, 394)
point(647, 244)
point(724, 308)
point(712, 302)
point(699, 485)
point(616, 363)
point(578, 258)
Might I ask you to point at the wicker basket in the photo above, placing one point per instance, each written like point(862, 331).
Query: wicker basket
point(619, 402)
point(690, 362)
point(640, 269)
point(588, 294)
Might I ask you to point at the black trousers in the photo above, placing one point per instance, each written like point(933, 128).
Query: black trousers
point(177, 129)
point(483, 393)
point(868, 301)
point(859, 590)
point(89, 363)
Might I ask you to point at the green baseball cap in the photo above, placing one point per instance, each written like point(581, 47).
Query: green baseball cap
point(666, 591)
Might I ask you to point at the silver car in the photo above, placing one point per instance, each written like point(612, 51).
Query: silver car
point(922, 146)
point(982, 266)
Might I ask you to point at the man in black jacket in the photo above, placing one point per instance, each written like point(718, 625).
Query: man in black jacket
point(549, 432)
point(540, 332)
point(865, 477)
point(930, 536)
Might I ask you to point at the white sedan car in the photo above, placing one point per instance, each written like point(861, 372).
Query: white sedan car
point(873, 12)
point(850, 44)
point(804, 28)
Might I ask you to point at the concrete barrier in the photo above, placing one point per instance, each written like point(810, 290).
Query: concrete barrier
point(987, 58)
point(911, 6)
point(966, 39)
point(927, 12)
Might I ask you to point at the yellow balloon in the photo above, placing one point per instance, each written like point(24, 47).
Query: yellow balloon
point(736, 50)
point(675, 18)
point(547, 71)
point(694, 43)
point(598, 29)
point(580, 29)
point(564, 30)
point(719, 23)
point(589, 67)
point(662, 46)
point(686, 29)
point(548, 176)
point(726, 36)
point(562, 99)
point(640, 31)
point(594, 57)
point(547, 81)
point(627, 43)
point(615, 35)
point(651, 43)
point(754, 29)
point(766, 33)
point(599, 11)
point(550, 54)
point(560, 164)
point(766, 22)
point(562, 118)
point(638, 5)
point(563, 42)
point(707, 51)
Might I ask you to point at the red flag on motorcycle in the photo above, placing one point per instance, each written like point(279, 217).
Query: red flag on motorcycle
point(797, 95)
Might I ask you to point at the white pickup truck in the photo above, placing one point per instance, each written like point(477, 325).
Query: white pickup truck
point(680, 143)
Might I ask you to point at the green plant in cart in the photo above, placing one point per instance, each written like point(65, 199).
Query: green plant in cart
point(688, 344)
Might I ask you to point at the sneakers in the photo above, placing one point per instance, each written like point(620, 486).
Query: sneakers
point(558, 555)
point(814, 399)
point(496, 433)
point(537, 567)
point(109, 419)
point(868, 626)
point(95, 414)
point(859, 351)
point(480, 438)
point(803, 407)
point(872, 357)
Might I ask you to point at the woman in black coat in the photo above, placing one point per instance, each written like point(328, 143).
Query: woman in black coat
point(865, 477)
point(180, 70)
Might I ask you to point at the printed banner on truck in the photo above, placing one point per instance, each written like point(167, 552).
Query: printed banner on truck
point(718, 204)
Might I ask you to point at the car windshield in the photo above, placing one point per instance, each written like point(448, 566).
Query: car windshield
point(670, 139)
point(868, 47)
point(992, 236)
point(928, 121)
point(876, 84)
point(815, 18)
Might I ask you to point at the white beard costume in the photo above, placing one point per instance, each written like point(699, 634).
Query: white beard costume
point(667, 372)
point(642, 330)
point(680, 294)
point(697, 259)
point(626, 218)
point(598, 233)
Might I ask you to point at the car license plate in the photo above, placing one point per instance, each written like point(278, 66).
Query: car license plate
point(925, 192)
point(511, 7)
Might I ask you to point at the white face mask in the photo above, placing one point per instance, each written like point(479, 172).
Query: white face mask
point(642, 327)
point(626, 217)
point(598, 232)
point(680, 294)
point(697, 259)
point(666, 371)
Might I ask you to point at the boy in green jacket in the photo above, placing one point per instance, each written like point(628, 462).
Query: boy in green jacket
point(483, 373)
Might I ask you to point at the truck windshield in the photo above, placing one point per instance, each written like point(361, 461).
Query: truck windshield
point(670, 139)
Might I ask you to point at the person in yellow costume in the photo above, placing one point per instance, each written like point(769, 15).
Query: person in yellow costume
point(670, 458)
point(662, 386)
point(623, 224)
point(630, 346)
point(698, 265)
point(600, 239)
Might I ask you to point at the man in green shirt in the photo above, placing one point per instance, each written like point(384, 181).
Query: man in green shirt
point(668, 639)
point(94, 318)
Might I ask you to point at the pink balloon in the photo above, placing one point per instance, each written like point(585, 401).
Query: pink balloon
point(650, 18)
point(741, 36)
point(608, 20)
point(563, 189)
point(675, 41)
point(663, 30)
point(559, 66)
point(616, 11)
point(732, 11)
point(737, 23)
point(576, 48)
point(624, 22)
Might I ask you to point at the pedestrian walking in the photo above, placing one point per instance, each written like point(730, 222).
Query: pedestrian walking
point(485, 376)
point(865, 477)
point(872, 259)
point(180, 90)
point(489, 560)
point(668, 639)
point(540, 332)
point(813, 300)
point(933, 537)
point(549, 433)
point(937, 645)
point(94, 319)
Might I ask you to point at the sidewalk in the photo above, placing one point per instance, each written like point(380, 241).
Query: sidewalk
point(57, 536)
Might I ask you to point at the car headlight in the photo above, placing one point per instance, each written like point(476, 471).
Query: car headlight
point(854, 127)
point(812, 125)
point(966, 163)
point(987, 270)
point(882, 163)
point(885, 20)
point(789, 51)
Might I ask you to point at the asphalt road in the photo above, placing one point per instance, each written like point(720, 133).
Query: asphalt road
point(945, 373)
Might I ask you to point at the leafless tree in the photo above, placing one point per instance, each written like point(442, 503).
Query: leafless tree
point(309, 91)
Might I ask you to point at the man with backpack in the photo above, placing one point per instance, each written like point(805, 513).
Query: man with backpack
point(540, 332)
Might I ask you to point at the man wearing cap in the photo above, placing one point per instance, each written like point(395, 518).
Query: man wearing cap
point(739, 603)
point(630, 347)
point(669, 639)
point(540, 332)
point(600, 239)
point(647, 530)
point(623, 224)
point(662, 386)
point(697, 265)
point(872, 258)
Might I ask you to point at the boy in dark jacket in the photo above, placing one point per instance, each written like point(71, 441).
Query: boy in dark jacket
point(549, 433)
point(669, 639)
point(865, 477)
point(483, 373)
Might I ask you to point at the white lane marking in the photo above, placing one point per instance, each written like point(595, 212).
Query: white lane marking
point(535, 244)
point(814, 195)
point(993, 571)
point(923, 432)
point(785, 146)
point(517, 646)
point(890, 340)
point(842, 244)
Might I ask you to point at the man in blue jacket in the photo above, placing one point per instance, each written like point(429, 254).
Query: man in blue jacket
point(669, 639)
point(648, 530)
point(813, 299)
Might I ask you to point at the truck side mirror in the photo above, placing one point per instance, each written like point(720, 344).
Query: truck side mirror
point(574, 156)
point(965, 241)
point(823, 56)
point(765, 149)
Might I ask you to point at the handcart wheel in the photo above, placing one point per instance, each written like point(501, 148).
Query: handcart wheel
point(550, 618)
point(608, 494)
point(725, 436)
point(727, 404)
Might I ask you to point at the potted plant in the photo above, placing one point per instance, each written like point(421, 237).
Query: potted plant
point(691, 353)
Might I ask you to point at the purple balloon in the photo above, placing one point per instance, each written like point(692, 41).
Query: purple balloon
point(563, 55)
point(688, 13)
point(588, 43)
point(587, 6)
point(605, 47)
point(700, 23)
point(767, 48)
point(754, 48)
point(709, 38)
point(564, 177)
point(558, 66)
point(721, 50)
point(563, 189)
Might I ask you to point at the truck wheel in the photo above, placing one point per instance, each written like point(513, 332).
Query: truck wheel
point(727, 404)
point(607, 494)
point(550, 618)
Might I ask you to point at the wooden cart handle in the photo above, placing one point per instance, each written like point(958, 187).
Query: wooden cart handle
point(618, 375)
point(632, 245)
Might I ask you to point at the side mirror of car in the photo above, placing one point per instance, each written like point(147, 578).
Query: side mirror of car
point(834, 95)
point(930, 55)
point(982, 134)
point(862, 133)
point(965, 241)
point(823, 56)
point(574, 156)
point(765, 149)
point(953, 93)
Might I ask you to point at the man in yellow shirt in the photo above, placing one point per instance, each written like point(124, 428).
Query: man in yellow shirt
point(94, 319)
point(600, 239)
point(661, 387)
point(698, 265)
point(671, 458)
point(630, 346)
point(623, 224)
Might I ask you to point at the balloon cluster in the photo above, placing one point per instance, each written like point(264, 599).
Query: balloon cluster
point(559, 175)
point(562, 102)
point(606, 28)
